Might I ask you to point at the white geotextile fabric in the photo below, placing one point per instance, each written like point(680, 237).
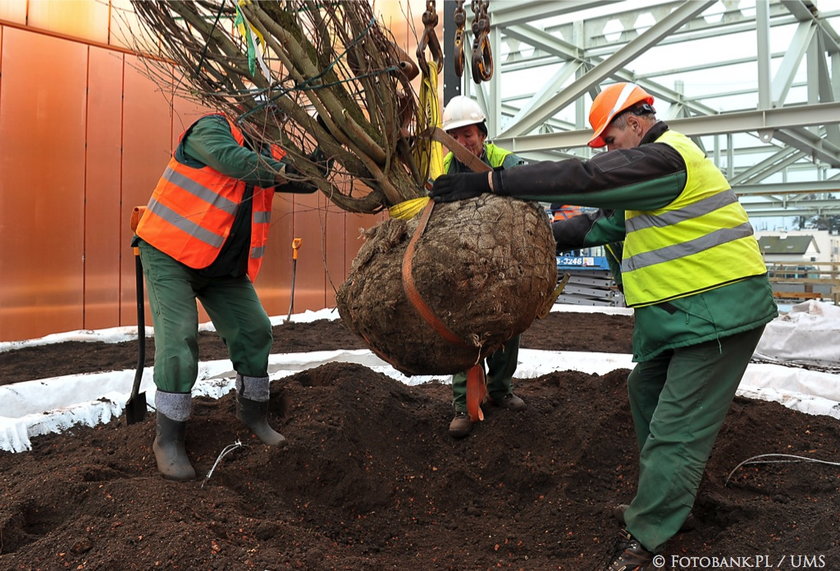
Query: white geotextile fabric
point(807, 335)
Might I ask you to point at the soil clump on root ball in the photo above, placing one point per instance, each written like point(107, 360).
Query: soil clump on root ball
point(485, 267)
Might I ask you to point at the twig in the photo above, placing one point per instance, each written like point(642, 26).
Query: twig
point(331, 58)
point(225, 451)
point(779, 459)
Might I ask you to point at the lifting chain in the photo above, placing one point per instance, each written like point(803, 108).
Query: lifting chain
point(482, 56)
point(460, 24)
point(429, 39)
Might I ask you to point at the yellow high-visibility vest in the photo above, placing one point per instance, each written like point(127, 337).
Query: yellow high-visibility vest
point(700, 241)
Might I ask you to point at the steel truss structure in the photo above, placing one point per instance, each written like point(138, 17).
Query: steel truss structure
point(755, 83)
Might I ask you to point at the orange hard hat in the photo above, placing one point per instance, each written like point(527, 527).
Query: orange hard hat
point(609, 103)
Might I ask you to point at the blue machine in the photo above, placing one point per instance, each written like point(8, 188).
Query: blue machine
point(582, 263)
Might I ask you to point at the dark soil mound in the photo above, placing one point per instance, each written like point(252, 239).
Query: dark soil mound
point(371, 480)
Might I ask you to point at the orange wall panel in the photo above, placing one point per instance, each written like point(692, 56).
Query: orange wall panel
point(104, 243)
point(41, 183)
point(147, 145)
point(13, 11)
point(77, 18)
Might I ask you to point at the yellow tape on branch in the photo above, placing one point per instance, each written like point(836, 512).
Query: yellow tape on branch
point(408, 209)
point(429, 155)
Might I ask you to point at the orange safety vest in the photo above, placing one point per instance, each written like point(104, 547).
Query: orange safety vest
point(191, 211)
point(566, 211)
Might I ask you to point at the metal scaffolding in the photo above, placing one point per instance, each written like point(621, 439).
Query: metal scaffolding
point(755, 83)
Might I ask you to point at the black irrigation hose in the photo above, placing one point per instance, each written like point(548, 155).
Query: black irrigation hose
point(779, 459)
point(207, 43)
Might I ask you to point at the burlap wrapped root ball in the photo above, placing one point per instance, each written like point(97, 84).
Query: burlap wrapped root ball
point(485, 266)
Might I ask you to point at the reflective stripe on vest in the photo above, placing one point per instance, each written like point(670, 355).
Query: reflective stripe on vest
point(200, 191)
point(493, 156)
point(185, 225)
point(700, 241)
point(565, 212)
point(260, 224)
point(191, 212)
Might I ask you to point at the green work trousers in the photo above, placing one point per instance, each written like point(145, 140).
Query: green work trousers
point(501, 364)
point(232, 305)
point(679, 401)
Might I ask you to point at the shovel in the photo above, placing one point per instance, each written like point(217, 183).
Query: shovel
point(295, 246)
point(135, 407)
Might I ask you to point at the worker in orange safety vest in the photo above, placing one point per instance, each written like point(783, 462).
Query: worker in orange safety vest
point(202, 238)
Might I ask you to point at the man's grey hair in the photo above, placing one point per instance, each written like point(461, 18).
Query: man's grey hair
point(621, 121)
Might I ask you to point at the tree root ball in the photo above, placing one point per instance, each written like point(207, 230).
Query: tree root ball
point(486, 267)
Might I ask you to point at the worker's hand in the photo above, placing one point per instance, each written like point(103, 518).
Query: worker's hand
point(294, 186)
point(321, 161)
point(452, 187)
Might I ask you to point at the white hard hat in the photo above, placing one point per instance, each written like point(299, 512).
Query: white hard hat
point(462, 111)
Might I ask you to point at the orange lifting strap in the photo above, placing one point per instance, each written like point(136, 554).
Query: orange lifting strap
point(476, 383)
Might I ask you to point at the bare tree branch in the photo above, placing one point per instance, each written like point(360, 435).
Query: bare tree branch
point(327, 59)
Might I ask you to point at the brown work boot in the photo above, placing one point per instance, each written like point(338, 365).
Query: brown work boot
point(630, 555)
point(461, 425)
point(510, 402)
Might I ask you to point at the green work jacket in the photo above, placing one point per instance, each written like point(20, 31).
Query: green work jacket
point(647, 178)
point(492, 155)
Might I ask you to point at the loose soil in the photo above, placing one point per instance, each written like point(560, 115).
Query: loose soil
point(371, 480)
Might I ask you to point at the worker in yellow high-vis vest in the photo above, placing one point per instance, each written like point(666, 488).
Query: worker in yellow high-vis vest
point(465, 121)
point(691, 269)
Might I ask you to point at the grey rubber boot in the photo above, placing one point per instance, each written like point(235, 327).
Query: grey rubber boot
point(173, 410)
point(252, 408)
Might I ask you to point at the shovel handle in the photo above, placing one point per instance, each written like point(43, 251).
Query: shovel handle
point(296, 243)
point(136, 214)
point(141, 325)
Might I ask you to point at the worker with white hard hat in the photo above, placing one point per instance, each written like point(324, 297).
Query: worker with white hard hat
point(464, 120)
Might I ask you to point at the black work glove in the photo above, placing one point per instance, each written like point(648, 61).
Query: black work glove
point(452, 187)
point(321, 161)
point(570, 234)
point(296, 186)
